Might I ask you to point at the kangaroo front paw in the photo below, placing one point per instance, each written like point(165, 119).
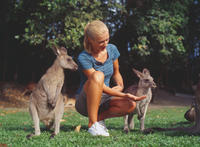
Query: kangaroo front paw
point(51, 105)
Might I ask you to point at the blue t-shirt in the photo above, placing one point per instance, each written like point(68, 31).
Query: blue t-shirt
point(86, 61)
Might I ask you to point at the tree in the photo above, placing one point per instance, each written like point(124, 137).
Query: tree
point(63, 21)
point(10, 24)
point(148, 33)
point(154, 35)
point(193, 39)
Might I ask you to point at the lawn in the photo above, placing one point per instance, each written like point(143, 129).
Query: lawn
point(15, 124)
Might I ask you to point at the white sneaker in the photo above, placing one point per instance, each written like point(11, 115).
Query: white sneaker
point(102, 123)
point(97, 130)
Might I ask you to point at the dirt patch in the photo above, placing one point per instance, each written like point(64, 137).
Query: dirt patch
point(10, 97)
point(17, 96)
point(163, 98)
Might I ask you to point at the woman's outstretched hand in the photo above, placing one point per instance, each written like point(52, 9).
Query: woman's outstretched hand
point(135, 98)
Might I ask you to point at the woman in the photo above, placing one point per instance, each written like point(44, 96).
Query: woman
point(97, 64)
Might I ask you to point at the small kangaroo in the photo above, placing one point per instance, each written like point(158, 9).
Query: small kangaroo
point(46, 101)
point(143, 88)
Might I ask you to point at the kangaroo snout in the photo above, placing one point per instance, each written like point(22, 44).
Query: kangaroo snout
point(75, 67)
point(154, 85)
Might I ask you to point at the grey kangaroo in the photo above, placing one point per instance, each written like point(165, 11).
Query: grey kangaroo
point(46, 100)
point(143, 88)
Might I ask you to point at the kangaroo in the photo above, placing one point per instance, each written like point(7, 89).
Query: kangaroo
point(190, 114)
point(46, 101)
point(143, 88)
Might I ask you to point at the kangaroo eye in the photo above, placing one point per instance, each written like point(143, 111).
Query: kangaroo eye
point(146, 80)
point(68, 60)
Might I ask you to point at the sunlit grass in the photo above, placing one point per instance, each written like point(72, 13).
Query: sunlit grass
point(15, 125)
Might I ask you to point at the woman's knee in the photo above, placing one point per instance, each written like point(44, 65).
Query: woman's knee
point(97, 77)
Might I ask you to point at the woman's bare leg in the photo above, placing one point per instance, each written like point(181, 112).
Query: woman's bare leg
point(118, 107)
point(93, 89)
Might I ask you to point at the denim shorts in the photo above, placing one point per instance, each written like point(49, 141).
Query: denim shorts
point(81, 103)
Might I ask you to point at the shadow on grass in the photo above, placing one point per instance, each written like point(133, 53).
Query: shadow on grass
point(68, 128)
point(30, 129)
point(176, 130)
point(26, 128)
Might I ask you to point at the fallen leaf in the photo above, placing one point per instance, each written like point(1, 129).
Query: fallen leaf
point(77, 129)
point(25, 123)
point(2, 114)
point(62, 120)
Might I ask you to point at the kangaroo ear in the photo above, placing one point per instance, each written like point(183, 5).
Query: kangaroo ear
point(56, 50)
point(146, 71)
point(63, 49)
point(138, 73)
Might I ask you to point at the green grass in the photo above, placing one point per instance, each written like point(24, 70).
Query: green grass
point(15, 125)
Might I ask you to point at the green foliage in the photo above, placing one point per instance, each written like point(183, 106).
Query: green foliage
point(161, 29)
point(157, 28)
point(148, 33)
point(15, 125)
point(62, 21)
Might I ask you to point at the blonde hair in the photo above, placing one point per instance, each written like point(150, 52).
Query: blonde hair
point(93, 29)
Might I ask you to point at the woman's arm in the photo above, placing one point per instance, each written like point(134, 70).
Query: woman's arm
point(117, 76)
point(117, 93)
point(114, 91)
